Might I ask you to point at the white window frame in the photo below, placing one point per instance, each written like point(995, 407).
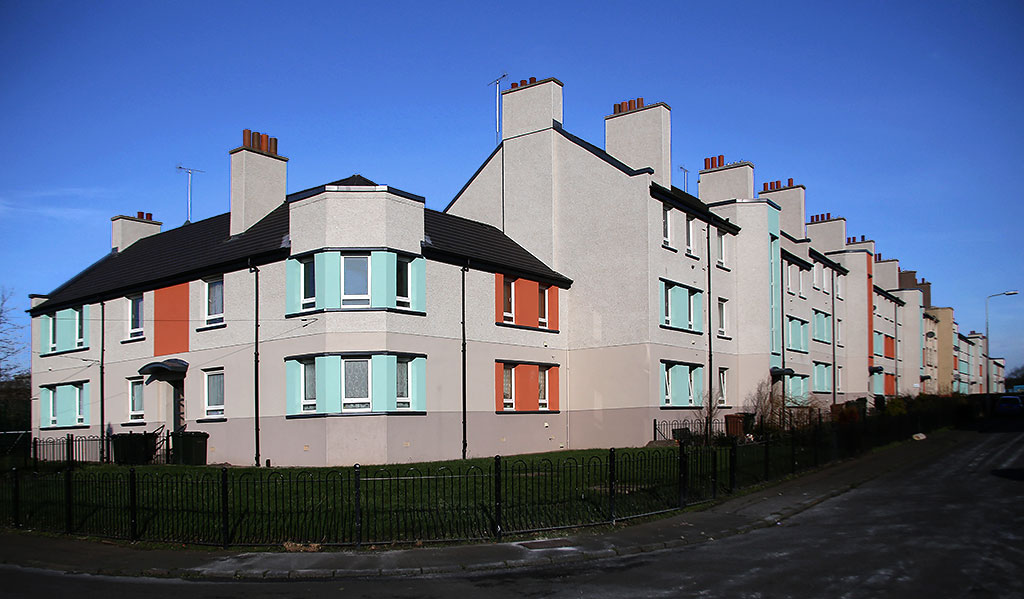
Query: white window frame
point(404, 402)
point(348, 401)
point(139, 331)
point(508, 400)
point(721, 248)
point(667, 373)
point(80, 325)
point(213, 317)
point(542, 387)
point(53, 405)
point(356, 300)
point(404, 264)
point(79, 398)
point(689, 235)
point(134, 414)
point(307, 302)
point(542, 302)
point(214, 411)
point(723, 378)
point(306, 404)
point(839, 378)
point(508, 284)
point(667, 300)
point(53, 332)
point(723, 316)
point(666, 225)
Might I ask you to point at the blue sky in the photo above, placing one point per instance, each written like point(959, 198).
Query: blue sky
point(905, 118)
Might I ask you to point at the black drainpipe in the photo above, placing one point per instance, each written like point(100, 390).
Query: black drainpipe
point(256, 359)
point(835, 331)
point(711, 335)
point(896, 348)
point(465, 269)
point(103, 395)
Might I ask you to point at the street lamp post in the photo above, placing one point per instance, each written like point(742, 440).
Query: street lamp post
point(988, 357)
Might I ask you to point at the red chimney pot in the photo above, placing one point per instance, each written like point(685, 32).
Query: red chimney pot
point(533, 80)
point(640, 102)
point(790, 183)
point(862, 238)
point(246, 137)
point(522, 82)
point(828, 216)
point(623, 106)
point(721, 160)
point(273, 145)
point(514, 85)
point(140, 215)
point(766, 187)
point(632, 104)
point(264, 142)
point(707, 163)
point(149, 216)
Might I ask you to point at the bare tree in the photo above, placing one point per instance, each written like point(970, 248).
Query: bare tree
point(10, 342)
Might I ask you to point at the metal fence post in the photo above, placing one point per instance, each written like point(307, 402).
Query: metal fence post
point(69, 512)
point(684, 475)
point(655, 429)
point(69, 451)
point(14, 500)
point(714, 472)
point(733, 451)
point(133, 505)
point(792, 448)
point(497, 497)
point(358, 505)
point(35, 454)
point(225, 529)
point(611, 485)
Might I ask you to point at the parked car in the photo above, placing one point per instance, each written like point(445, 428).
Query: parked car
point(1009, 405)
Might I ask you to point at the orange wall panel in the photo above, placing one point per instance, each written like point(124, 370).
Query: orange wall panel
point(890, 384)
point(499, 387)
point(526, 387)
point(890, 347)
point(553, 388)
point(170, 320)
point(526, 304)
point(499, 289)
point(553, 308)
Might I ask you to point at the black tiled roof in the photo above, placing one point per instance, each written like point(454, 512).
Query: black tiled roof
point(458, 240)
point(204, 248)
point(188, 252)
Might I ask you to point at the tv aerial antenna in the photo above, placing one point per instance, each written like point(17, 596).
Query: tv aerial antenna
point(188, 217)
point(497, 106)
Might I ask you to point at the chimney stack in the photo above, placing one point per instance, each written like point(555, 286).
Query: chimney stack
point(126, 230)
point(530, 106)
point(258, 179)
point(641, 136)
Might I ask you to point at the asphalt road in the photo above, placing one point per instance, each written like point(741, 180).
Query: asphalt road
point(950, 527)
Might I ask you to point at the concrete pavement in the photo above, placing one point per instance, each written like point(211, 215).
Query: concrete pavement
point(765, 507)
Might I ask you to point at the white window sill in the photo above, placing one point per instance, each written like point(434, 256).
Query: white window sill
point(211, 327)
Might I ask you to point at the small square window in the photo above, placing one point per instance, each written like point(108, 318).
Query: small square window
point(307, 274)
point(355, 382)
point(542, 388)
point(403, 381)
point(508, 393)
point(308, 385)
point(215, 392)
point(355, 284)
point(136, 401)
point(135, 317)
point(508, 300)
point(402, 299)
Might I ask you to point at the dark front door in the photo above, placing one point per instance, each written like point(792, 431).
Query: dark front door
point(178, 390)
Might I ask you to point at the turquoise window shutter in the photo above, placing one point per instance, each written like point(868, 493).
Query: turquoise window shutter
point(678, 298)
point(66, 412)
point(86, 400)
point(419, 384)
point(680, 385)
point(293, 387)
point(293, 292)
point(85, 332)
point(383, 369)
point(66, 320)
point(698, 385)
point(328, 384)
point(418, 284)
point(661, 300)
point(383, 267)
point(698, 311)
point(44, 334)
point(44, 407)
point(328, 270)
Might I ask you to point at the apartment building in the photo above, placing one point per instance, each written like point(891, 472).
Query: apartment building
point(566, 297)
